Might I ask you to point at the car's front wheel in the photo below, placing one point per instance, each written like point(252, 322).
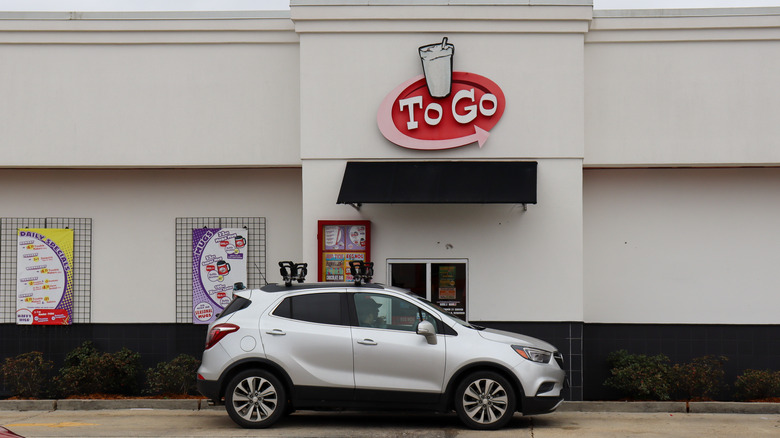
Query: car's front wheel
point(485, 400)
point(255, 399)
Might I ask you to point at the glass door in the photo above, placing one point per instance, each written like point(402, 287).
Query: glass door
point(443, 282)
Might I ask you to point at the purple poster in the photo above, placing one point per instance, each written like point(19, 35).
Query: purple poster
point(218, 262)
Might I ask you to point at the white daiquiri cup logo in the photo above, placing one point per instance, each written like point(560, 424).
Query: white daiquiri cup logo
point(437, 67)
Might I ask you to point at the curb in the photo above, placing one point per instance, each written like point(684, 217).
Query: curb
point(568, 406)
point(671, 407)
point(87, 405)
point(628, 407)
point(28, 405)
point(91, 404)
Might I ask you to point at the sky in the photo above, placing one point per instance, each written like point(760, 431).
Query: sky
point(249, 5)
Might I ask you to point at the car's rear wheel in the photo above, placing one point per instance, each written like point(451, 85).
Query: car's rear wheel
point(255, 399)
point(485, 400)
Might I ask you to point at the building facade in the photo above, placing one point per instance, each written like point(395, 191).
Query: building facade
point(653, 137)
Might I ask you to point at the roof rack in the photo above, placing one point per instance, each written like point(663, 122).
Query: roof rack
point(293, 272)
point(361, 271)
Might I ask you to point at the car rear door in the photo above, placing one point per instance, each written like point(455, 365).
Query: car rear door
point(308, 334)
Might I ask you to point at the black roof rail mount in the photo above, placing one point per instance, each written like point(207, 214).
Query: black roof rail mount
point(361, 271)
point(293, 272)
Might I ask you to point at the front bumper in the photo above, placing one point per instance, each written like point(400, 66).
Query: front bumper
point(540, 405)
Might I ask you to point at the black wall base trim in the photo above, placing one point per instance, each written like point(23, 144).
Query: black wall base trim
point(155, 342)
point(585, 346)
point(566, 336)
point(746, 347)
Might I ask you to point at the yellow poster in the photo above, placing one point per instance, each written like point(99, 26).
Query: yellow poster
point(44, 267)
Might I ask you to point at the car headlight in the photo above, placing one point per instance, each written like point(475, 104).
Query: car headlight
point(533, 354)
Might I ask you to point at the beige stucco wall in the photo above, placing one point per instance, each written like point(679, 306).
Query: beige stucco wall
point(133, 223)
point(681, 245)
point(679, 88)
point(103, 92)
point(300, 91)
point(523, 265)
point(352, 57)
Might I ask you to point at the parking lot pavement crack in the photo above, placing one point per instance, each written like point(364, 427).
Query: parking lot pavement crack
point(36, 415)
point(531, 426)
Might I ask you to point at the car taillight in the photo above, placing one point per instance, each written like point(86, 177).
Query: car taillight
point(218, 332)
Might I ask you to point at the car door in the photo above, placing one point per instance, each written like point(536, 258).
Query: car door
point(389, 355)
point(309, 336)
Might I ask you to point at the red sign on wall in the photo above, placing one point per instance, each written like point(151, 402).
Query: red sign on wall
point(441, 109)
point(341, 242)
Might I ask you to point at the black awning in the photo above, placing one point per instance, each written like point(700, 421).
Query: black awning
point(439, 182)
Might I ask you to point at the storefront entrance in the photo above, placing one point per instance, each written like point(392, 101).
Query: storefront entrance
point(444, 282)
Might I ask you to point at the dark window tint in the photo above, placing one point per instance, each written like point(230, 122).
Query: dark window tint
point(411, 276)
point(325, 308)
point(237, 304)
point(285, 309)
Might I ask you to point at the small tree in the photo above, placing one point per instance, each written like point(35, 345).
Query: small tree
point(26, 374)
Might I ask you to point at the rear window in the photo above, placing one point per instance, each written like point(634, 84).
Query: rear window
point(237, 304)
point(324, 308)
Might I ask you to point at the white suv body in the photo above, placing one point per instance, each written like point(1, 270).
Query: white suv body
point(326, 345)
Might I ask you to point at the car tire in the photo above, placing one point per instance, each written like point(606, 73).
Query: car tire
point(255, 399)
point(485, 400)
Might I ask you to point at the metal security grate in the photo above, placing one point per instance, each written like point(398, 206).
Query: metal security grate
point(256, 275)
point(82, 263)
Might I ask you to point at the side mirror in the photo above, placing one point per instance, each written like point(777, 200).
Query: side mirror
point(426, 329)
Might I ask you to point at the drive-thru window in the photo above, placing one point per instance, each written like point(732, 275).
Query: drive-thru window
point(443, 282)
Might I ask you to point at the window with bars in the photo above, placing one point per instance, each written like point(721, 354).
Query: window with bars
point(255, 227)
point(82, 263)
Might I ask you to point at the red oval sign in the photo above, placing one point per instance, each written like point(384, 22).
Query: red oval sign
point(411, 118)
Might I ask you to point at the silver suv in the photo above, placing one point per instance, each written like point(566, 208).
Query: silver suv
point(368, 346)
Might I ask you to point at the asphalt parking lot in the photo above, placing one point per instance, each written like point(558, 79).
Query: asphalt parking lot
point(216, 423)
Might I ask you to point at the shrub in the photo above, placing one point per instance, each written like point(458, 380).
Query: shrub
point(700, 379)
point(757, 385)
point(87, 371)
point(26, 374)
point(78, 376)
point(174, 377)
point(639, 377)
point(120, 372)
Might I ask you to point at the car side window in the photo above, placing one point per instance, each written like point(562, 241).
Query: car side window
point(323, 308)
point(383, 311)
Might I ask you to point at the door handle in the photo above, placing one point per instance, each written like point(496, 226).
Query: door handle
point(367, 342)
point(276, 332)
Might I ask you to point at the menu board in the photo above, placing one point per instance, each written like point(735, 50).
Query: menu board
point(449, 287)
point(218, 262)
point(44, 269)
point(341, 242)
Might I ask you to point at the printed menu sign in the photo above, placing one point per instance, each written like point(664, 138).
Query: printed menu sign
point(218, 262)
point(44, 268)
point(449, 281)
point(339, 244)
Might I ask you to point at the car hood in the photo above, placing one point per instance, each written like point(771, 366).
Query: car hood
point(515, 338)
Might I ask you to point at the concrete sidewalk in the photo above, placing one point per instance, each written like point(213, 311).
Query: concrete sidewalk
point(307, 424)
point(585, 406)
